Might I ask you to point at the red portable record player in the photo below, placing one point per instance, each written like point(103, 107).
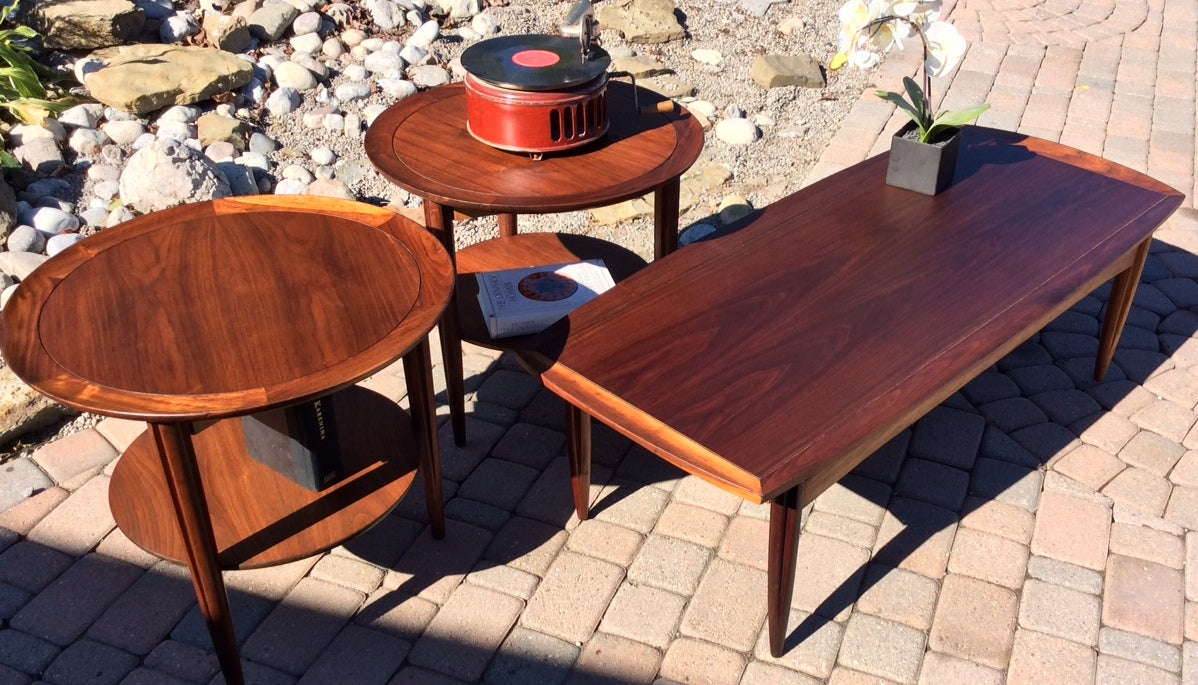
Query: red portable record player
point(538, 93)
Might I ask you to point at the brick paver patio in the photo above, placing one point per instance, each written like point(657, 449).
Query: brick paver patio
point(1036, 528)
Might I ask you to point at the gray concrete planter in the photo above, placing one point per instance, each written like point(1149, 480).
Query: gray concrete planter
point(923, 167)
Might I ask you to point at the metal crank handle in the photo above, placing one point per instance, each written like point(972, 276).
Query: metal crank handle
point(663, 107)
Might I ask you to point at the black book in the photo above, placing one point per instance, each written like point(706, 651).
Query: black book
point(299, 442)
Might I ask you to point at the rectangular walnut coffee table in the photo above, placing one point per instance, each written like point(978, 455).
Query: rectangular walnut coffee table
point(773, 360)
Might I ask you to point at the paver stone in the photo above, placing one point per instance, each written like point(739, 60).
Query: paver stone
point(1039, 659)
point(1144, 597)
point(974, 620)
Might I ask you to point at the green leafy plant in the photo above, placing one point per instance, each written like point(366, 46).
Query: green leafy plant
point(917, 107)
point(870, 28)
point(23, 81)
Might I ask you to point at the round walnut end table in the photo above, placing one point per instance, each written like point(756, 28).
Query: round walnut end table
point(189, 317)
point(421, 144)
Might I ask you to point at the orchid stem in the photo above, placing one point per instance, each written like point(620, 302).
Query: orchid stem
point(927, 78)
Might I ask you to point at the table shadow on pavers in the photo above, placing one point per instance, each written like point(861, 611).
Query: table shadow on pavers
point(995, 439)
point(97, 618)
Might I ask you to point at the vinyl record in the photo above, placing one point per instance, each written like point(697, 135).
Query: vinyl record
point(534, 62)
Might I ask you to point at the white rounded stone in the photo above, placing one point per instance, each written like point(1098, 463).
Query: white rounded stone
point(348, 92)
point(25, 239)
point(305, 23)
point(397, 89)
point(290, 186)
point(283, 101)
point(307, 44)
point(737, 131)
point(413, 54)
point(86, 115)
point(323, 156)
point(334, 122)
point(177, 27)
point(184, 113)
point(383, 62)
point(332, 48)
point(255, 160)
point(425, 34)
point(292, 75)
point(297, 172)
point(61, 242)
point(123, 132)
point(355, 72)
point(484, 24)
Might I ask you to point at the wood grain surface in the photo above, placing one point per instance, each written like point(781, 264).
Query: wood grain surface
point(259, 517)
point(421, 144)
point(219, 308)
point(786, 352)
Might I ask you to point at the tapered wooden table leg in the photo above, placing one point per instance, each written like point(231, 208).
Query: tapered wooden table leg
point(665, 218)
point(191, 511)
point(1123, 292)
point(439, 220)
point(507, 225)
point(785, 524)
point(578, 432)
point(417, 367)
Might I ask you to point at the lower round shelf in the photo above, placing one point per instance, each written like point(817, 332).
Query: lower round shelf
point(260, 517)
point(525, 250)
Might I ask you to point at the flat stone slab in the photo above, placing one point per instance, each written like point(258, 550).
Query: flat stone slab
point(85, 24)
point(146, 78)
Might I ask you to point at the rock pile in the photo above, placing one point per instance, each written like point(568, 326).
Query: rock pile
point(239, 97)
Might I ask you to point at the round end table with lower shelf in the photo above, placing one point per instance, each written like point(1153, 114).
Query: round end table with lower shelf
point(190, 317)
point(422, 145)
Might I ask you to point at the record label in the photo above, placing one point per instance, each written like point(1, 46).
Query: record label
point(535, 59)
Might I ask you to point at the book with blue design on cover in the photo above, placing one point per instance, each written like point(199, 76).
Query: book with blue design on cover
point(525, 301)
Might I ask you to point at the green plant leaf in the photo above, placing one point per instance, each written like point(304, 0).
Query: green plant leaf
point(954, 119)
point(19, 85)
point(919, 100)
point(7, 161)
point(960, 117)
point(22, 72)
point(898, 100)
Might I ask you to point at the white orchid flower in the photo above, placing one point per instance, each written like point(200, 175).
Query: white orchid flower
point(865, 59)
point(871, 28)
point(946, 47)
point(882, 38)
point(854, 15)
point(920, 11)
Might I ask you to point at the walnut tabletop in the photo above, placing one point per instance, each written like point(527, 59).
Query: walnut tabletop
point(772, 360)
point(217, 309)
point(191, 315)
point(421, 144)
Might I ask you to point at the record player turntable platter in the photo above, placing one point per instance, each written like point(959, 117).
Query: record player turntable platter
point(534, 62)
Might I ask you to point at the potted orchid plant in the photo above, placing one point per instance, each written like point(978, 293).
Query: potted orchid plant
point(924, 152)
